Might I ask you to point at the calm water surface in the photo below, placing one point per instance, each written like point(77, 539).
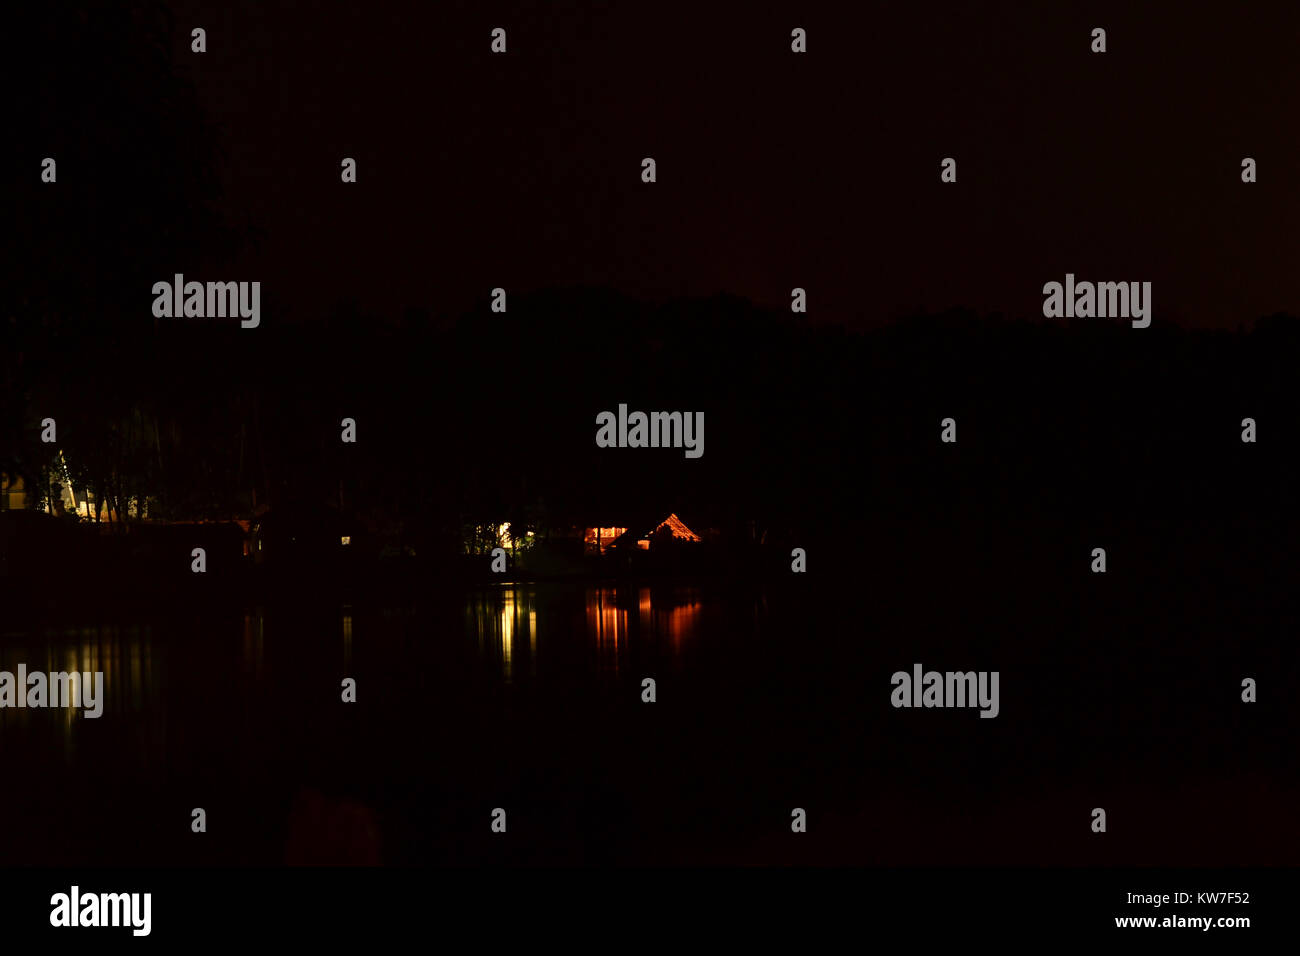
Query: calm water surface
point(529, 698)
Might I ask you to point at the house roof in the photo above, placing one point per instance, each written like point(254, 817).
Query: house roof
point(678, 529)
point(671, 525)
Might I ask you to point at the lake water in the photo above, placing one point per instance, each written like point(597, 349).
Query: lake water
point(528, 698)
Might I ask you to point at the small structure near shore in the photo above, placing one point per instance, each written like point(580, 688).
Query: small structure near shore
point(670, 532)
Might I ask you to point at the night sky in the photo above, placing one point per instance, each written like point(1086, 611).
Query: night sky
point(775, 170)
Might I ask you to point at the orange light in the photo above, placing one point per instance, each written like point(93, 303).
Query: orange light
point(679, 530)
point(598, 539)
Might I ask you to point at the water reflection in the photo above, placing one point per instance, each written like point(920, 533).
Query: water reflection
point(607, 624)
point(678, 622)
point(254, 644)
point(610, 619)
point(124, 655)
point(179, 683)
point(501, 620)
point(347, 638)
point(670, 614)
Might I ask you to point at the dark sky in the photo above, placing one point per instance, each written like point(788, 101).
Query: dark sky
point(775, 170)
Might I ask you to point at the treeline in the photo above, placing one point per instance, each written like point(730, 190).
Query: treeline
point(493, 417)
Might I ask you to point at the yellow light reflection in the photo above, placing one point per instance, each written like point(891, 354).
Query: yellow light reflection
point(507, 634)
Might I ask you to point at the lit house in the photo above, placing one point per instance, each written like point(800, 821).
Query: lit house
point(13, 493)
point(598, 540)
point(671, 531)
